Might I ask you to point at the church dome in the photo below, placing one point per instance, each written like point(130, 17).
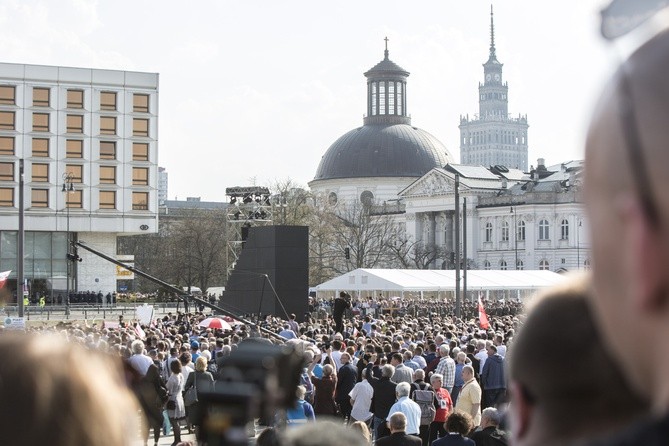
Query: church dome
point(377, 150)
point(387, 145)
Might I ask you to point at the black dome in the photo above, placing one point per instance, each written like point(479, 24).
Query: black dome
point(398, 150)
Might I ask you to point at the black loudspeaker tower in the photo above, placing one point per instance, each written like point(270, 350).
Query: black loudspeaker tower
point(274, 258)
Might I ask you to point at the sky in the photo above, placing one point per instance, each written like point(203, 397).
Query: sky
point(255, 91)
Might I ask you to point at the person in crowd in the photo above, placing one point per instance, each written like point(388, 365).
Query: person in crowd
point(397, 424)
point(469, 398)
point(176, 410)
point(408, 407)
point(324, 390)
point(347, 376)
point(490, 434)
point(384, 398)
point(203, 381)
point(492, 379)
point(556, 401)
point(341, 304)
point(303, 412)
point(361, 401)
point(50, 398)
point(139, 361)
point(152, 396)
point(628, 225)
point(446, 367)
point(458, 425)
point(460, 361)
point(402, 372)
point(444, 406)
point(420, 384)
point(362, 429)
point(322, 433)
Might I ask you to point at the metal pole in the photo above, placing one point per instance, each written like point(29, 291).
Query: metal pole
point(20, 242)
point(464, 249)
point(458, 304)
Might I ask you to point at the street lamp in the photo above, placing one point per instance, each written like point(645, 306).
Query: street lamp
point(68, 187)
point(515, 230)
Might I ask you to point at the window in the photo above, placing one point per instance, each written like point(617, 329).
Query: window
point(107, 174)
point(7, 95)
point(140, 103)
point(140, 127)
point(108, 100)
point(107, 125)
point(140, 201)
point(6, 145)
point(75, 124)
point(40, 122)
point(41, 97)
point(520, 265)
point(74, 148)
point(543, 265)
point(505, 231)
point(6, 120)
point(486, 265)
point(75, 98)
point(488, 232)
point(502, 265)
point(107, 150)
point(74, 199)
point(140, 151)
point(520, 233)
point(107, 199)
point(564, 230)
point(140, 176)
point(41, 147)
point(39, 198)
point(40, 173)
point(6, 197)
point(76, 170)
point(6, 171)
point(543, 230)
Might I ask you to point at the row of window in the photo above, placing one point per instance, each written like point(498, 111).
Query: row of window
point(74, 148)
point(544, 231)
point(75, 99)
point(543, 265)
point(74, 124)
point(386, 98)
point(40, 173)
point(39, 198)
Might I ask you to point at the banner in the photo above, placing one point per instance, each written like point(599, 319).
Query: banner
point(483, 318)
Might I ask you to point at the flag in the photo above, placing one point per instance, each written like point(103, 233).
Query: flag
point(483, 318)
point(139, 332)
point(3, 277)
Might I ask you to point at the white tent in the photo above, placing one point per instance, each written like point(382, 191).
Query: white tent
point(370, 281)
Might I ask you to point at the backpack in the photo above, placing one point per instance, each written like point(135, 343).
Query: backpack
point(425, 399)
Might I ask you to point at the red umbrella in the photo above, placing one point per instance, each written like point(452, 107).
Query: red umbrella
point(215, 322)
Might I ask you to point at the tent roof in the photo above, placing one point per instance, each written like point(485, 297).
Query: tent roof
point(439, 280)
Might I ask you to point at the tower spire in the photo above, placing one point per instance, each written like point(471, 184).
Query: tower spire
point(385, 53)
point(492, 35)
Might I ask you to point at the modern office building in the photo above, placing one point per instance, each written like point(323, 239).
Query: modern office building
point(88, 143)
point(162, 186)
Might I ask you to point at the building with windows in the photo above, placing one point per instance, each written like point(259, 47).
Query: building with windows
point(374, 162)
point(162, 186)
point(492, 137)
point(88, 143)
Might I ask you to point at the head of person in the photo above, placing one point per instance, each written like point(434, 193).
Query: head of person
point(201, 364)
point(387, 371)
point(419, 375)
point(41, 400)
point(459, 422)
point(345, 358)
point(490, 416)
point(436, 380)
point(397, 422)
point(563, 400)
point(137, 347)
point(444, 350)
point(402, 390)
point(361, 428)
point(461, 357)
point(176, 367)
point(396, 359)
point(322, 433)
point(301, 392)
point(628, 215)
point(491, 350)
point(467, 373)
point(327, 370)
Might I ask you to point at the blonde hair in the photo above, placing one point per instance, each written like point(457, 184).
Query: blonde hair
point(200, 364)
point(65, 385)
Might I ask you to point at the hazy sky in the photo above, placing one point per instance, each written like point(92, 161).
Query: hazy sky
point(258, 90)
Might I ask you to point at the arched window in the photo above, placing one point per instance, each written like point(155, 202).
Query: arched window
point(543, 230)
point(486, 265)
point(505, 231)
point(520, 232)
point(502, 265)
point(564, 229)
point(488, 232)
point(520, 265)
point(543, 265)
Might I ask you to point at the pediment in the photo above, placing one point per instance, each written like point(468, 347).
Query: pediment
point(433, 183)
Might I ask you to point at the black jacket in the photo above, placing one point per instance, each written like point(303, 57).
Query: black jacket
point(384, 394)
